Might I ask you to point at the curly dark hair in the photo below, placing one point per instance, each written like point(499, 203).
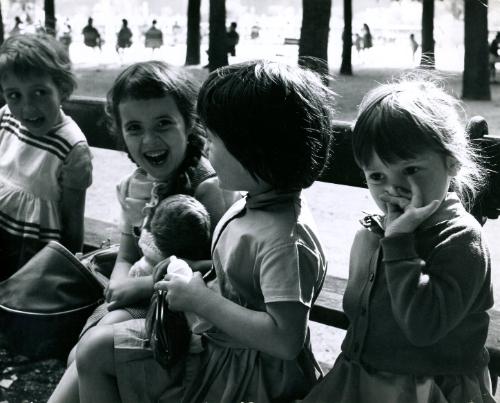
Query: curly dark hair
point(156, 79)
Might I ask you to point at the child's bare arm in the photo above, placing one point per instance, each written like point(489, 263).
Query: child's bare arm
point(123, 290)
point(280, 331)
point(72, 215)
point(215, 199)
point(128, 254)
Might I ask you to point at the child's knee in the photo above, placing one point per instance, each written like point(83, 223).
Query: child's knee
point(94, 349)
point(71, 356)
point(119, 315)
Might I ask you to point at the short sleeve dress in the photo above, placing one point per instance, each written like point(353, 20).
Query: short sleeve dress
point(34, 170)
point(265, 250)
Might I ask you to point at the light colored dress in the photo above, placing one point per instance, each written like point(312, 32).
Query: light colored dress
point(34, 170)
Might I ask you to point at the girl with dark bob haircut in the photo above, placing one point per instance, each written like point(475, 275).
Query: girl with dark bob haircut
point(275, 119)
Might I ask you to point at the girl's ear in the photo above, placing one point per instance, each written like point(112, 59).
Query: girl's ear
point(452, 165)
point(64, 94)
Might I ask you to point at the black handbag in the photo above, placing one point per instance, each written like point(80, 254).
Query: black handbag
point(44, 305)
point(169, 334)
point(168, 331)
point(101, 260)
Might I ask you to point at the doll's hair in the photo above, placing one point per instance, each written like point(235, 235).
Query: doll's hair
point(157, 79)
point(414, 114)
point(275, 119)
point(26, 55)
point(181, 226)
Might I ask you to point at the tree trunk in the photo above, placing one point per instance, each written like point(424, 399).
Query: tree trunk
point(428, 59)
point(2, 27)
point(217, 49)
point(313, 44)
point(346, 65)
point(475, 80)
point(50, 17)
point(193, 33)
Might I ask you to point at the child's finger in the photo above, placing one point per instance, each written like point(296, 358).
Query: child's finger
point(416, 194)
point(161, 285)
point(398, 201)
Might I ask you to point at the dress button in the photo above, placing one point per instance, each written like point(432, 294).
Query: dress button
point(372, 276)
point(363, 311)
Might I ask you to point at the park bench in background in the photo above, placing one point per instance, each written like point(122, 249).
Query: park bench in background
point(291, 41)
point(341, 169)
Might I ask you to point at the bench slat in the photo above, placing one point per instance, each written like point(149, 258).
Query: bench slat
point(97, 232)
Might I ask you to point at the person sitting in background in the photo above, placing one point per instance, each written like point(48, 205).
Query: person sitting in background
point(154, 37)
point(493, 57)
point(124, 37)
point(91, 36)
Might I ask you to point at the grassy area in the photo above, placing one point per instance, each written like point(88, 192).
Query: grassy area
point(349, 89)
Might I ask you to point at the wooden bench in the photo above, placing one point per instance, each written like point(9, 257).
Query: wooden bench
point(341, 169)
point(291, 41)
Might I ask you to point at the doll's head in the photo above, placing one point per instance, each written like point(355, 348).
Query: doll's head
point(180, 226)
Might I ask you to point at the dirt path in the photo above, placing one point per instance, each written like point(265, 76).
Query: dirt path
point(23, 381)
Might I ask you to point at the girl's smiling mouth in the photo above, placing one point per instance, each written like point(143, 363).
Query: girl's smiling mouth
point(37, 121)
point(156, 157)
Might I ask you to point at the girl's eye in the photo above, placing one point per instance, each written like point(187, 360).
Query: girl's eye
point(40, 93)
point(375, 177)
point(12, 96)
point(163, 123)
point(132, 128)
point(411, 170)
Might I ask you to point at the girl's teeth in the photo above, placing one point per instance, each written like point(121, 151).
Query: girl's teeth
point(156, 157)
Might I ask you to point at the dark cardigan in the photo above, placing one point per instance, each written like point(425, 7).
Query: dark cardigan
point(417, 302)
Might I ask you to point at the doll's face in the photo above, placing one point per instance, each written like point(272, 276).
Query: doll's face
point(155, 134)
point(34, 100)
